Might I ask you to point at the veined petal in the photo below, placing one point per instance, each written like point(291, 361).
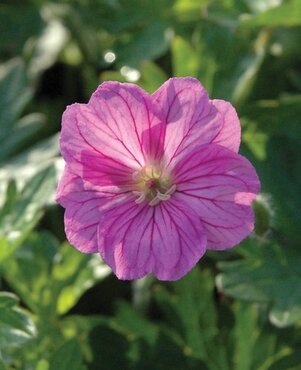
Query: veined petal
point(127, 114)
point(101, 163)
point(190, 116)
point(182, 240)
point(113, 135)
point(166, 240)
point(84, 206)
point(220, 186)
point(229, 133)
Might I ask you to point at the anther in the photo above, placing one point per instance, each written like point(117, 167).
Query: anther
point(140, 199)
point(153, 188)
point(154, 201)
point(171, 190)
point(162, 196)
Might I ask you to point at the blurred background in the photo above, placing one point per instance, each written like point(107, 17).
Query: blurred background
point(60, 309)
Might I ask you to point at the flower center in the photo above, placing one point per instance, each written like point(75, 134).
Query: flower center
point(152, 186)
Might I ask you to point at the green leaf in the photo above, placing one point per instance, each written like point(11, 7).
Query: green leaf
point(42, 365)
point(185, 61)
point(50, 43)
point(263, 216)
point(167, 354)
point(16, 326)
point(286, 15)
point(29, 21)
point(56, 276)
point(251, 65)
point(152, 76)
point(14, 94)
point(268, 274)
point(282, 178)
point(274, 116)
point(112, 76)
point(21, 211)
point(134, 325)
point(28, 272)
point(25, 128)
point(74, 274)
point(23, 166)
point(273, 136)
point(190, 10)
point(255, 139)
point(109, 348)
point(146, 45)
point(67, 357)
point(290, 362)
point(192, 317)
point(187, 307)
point(245, 335)
point(255, 344)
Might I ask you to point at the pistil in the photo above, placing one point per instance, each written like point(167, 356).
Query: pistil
point(152, 186)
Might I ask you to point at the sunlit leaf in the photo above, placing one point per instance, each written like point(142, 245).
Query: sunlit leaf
point(255, 139)
point(24, 166)
point(185, 60)
point(287, 15)
point(16, 326)
point(42, 365)
point(74, 273)
point(190, 10)
point(28, 272)
point(112, 76)
point(15, 93)
point(50, 43)
point(270, 275)
point(51, 278)
point(250, 68)
point(152, 76)
point(22, 210)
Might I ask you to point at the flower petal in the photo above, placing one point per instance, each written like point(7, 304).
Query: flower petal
point(166, 240)
point(100, 164)
point(229, 133)
point(220, 186)
point(190, 116)
point(128, 114)
point(182, 240)
point(113, 135)
point(84, 206)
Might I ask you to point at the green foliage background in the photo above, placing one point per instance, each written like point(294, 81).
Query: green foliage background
point(60, 309)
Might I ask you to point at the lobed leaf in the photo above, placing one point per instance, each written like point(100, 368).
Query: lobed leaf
point(271, 276)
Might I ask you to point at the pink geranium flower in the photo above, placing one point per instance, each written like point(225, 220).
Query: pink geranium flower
point(152, 181)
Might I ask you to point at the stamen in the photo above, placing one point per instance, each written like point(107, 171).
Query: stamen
point(153, 188)
point(154, 201)
point(171, 190)
point(140, 199)
point(162, 196)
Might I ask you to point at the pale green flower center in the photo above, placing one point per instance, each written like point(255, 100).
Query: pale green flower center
point(152, 185)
